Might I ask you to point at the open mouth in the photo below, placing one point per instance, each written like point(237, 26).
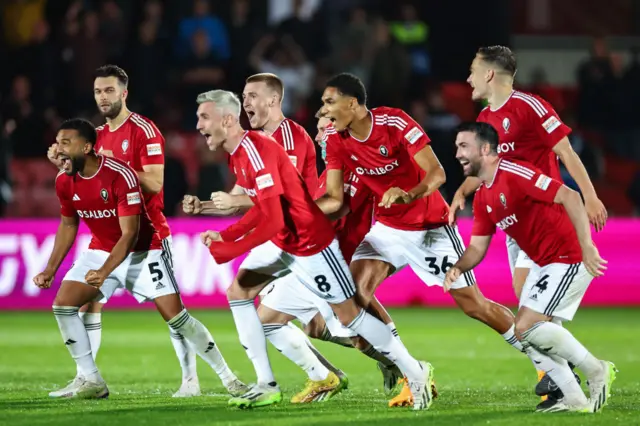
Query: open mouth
point(251, 114)
point(66, 162)
point(207, 136)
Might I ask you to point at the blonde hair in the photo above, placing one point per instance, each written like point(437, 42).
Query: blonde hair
point(224, 99)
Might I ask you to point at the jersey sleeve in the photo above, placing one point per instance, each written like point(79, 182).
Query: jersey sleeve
point(268, 181)
point(413, 135)
point(333, 160)
point(150, 143)
point(65, 197)
point(531, 181)
point(127, 192)
point(310, 169)
point(482, 223)
point(545, 121)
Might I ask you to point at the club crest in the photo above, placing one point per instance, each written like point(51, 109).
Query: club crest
point(384, 151)
point(506, 124)
point(503, 200)
point(104, 194)
point(125, 145)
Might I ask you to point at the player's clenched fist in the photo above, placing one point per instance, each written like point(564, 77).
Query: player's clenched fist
point(44, 279)
point(209, 237)
point(451, 277)
point(191, 204)
point(95, 278)
point(222, 200)
point(394, 196)
point(52, 155)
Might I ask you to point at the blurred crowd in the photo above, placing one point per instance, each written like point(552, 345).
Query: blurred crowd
point(175, 49)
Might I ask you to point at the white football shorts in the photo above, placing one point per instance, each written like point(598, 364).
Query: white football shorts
point(429, 253)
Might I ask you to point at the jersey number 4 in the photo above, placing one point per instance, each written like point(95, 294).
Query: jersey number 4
point(435, 269)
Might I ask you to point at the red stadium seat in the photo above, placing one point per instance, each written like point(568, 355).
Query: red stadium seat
point(457, 99)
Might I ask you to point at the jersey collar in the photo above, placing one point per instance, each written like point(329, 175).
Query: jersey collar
point(370, 130)
point(504, 103)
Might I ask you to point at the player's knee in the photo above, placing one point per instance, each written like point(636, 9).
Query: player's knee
point(236, 292)
point(470, 302)
point(522, 324)
point(360, 343)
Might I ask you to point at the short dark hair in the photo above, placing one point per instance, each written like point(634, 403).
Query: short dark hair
point(484, 132)
point(349, 85)
point(500, 56)
point(272, 81)
point(113, 71)
point(85, 128)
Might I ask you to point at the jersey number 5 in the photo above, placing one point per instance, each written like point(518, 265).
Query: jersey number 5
point(156, 273)
point(435, 269)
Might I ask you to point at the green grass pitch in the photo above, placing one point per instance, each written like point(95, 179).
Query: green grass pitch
point(480, 378)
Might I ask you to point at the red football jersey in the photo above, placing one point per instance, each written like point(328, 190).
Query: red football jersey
point(520, 202)
point(100, 200)
point(301, 150)
point(138, 142)
point(351, 228)
point(263, 169)
point(529, 128)
point(384, 160)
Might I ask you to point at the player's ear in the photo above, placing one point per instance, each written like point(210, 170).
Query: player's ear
point(88, 147)
point(490, 74)
point(125, 93)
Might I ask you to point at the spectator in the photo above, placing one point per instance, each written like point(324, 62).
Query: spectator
point(244, 32)
point(202, 70)
point(147, 53)
point(114, 30)
point(23, 125)
point(413, 34)
point(203, 21)
point(352, 47)
point(595, 77)
point(290, 64)
point(390, 69)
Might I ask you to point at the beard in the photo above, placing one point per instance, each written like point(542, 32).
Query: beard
point(114, 110)
point(77, 164)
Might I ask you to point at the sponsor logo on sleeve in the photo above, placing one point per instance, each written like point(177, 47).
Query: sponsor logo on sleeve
point(413, 135)
point(264, 181)
point(543, 182)
point(133, 198)
point(551, 124)
point(154, 149)
point(294, 160)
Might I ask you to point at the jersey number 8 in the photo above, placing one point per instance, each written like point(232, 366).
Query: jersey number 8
point(322, 283)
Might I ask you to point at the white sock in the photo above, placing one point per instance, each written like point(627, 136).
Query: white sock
point(93, 325)
point(252, 338)
point(186, 355)
point(510, 338)
point(394, 330)
point(381, 337)
point(76, 340)
point(558, 369)
point(555, 340)
point(202, 342)
point(294, 346)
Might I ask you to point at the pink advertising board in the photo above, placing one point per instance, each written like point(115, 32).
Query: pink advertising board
point(25, 246)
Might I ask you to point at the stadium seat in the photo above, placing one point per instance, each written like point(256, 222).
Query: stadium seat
point(457, 99)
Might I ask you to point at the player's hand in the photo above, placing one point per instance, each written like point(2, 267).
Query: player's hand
point(44, 279)
point(222, 200)
point(95, 278)
point(451, 277)
point(593, 262)
point(191, 204)
point(394, 196)
point(597, 212)
point(209, 237)
point(52, 155)
point(457, 203)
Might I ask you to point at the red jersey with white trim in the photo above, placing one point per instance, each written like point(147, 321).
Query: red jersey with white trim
point(138, 142)
point(100, 200)
point(263, 169)
point(528, 128)
point(385, 160)
point(520, 202)
point(351, 228)
point(301, 150)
